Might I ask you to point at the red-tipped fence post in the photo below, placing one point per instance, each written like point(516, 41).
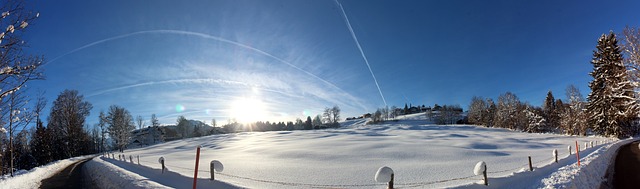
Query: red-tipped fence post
point(195, 174)
point(578, 152)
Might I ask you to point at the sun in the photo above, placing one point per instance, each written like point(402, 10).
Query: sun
point(248, 110)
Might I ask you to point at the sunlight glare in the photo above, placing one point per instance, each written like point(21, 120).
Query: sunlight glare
point(248, 110)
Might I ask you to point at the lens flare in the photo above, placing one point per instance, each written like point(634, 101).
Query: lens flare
point(180, 108)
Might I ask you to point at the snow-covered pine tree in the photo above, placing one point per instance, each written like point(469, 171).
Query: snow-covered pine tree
point(612, 107)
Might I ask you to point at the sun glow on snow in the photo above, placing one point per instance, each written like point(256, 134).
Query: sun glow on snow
point(247, 110)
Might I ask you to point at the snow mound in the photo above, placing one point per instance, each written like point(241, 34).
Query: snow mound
point(384, 174)
point(480, 168)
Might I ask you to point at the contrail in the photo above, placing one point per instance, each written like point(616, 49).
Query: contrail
point(353, 34)
point(207, 36)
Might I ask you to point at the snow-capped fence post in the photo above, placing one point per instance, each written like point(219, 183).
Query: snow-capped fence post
point(385, 174)
point(481, 168)
point(161, 161)
point(555, 154)
point(530, 166)
point(591, 143)
point(195, 174)
point(215, 166)
point(586, 145)
point(578, 153)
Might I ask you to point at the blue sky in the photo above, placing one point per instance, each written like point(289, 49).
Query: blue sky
point(278, 60)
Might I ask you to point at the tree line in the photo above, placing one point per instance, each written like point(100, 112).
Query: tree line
point(611, 108)
point(329, 118)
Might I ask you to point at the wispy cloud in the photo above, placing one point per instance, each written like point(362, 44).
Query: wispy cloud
point(288, 92)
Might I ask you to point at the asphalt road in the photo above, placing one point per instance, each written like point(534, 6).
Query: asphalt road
point(70, 177)
point(627, 167)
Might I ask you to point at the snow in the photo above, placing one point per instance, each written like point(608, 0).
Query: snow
point(217, 165)
point(480, 168)
point(423, 155)
point(591, 172)
point(33, 177)
point(112, 173)
point(383, 174)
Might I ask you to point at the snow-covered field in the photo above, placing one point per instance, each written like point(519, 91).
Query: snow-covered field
point(421, 155)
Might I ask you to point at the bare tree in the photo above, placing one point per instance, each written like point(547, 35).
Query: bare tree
point(574, 118)
point(140, 121)
point(66, 121)
point(17, 119)
point(182, 126)
point(477, 110)
point(507, 111)
point(16, 68)
point(102, 123)
point(120, 125)
point(630, 39)
point(154, 121)
point(335, 114)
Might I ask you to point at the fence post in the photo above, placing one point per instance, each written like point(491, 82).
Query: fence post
point(195, 174)
point(481, 168)
point(578, 152)
point(569, 148)
point(138, 156)
point(131, 158)
point(385, 174)
point(530, 166)
point(555, 154)
point(161, 161)
point(390, 184)
point(586, 145)
point(215, 166)
point(484, 174)
point(591, 143)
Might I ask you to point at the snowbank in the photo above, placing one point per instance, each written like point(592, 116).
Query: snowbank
point(590, 174)
point(33, 177)
point(111, 173)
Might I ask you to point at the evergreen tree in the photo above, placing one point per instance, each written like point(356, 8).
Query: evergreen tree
point(490, 113)
point(612, 107)
point(41, 145)
point(308, 124)
point(406, 108)
point(550, 111)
